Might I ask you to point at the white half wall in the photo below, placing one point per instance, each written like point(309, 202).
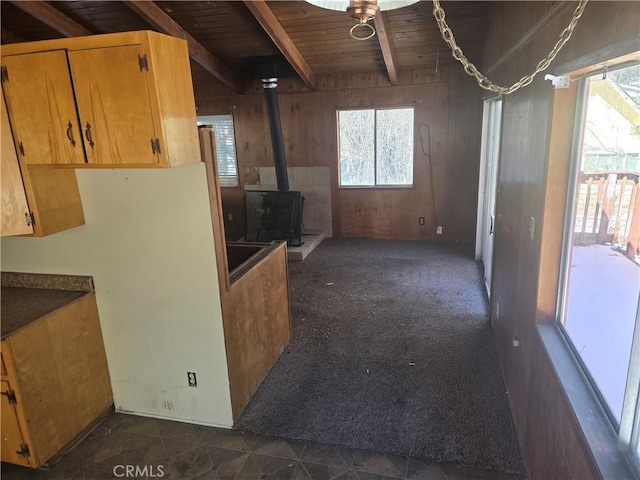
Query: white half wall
point(148, 243)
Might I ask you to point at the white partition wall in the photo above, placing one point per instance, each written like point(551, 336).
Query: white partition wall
point(149, 245)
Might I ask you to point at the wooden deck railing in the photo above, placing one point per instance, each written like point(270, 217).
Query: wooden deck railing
point(608, 210)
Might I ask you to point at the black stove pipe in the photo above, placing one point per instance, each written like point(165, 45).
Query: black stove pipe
point(270, 86)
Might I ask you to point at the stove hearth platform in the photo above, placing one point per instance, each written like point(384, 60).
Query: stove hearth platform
point(311, 239)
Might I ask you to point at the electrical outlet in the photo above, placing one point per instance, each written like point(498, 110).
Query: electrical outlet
point(230, 216)
point(191, 377)
point(516, 342)
point(421, 221)
point(439, 230)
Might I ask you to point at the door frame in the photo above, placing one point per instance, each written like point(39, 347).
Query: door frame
point(488, 103)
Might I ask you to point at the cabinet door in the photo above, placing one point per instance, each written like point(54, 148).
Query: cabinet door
point(14, 200)
point(12, 438)
point(42, 108)
point(112, 95)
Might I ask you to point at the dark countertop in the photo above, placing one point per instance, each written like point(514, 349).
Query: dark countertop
point(21, 306)
point(46, 281)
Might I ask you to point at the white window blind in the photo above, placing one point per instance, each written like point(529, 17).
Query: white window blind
point(225, 148)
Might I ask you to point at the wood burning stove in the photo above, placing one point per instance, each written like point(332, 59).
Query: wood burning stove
point(273, 215)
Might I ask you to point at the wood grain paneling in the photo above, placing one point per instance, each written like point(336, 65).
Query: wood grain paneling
point(230, 33)
point(263, 14)
point(447, 118)
point(233, 207)
point(12, 434)
point(227, 29)
point(208, 152)
point(414, 36)
point(47, 96)
point(175, 105)
point(255, 312)
point(564, 460)
point(237, 254)
point(9, 37)
point(129, 115)
point(15, 416)
point(127, 90)
point(53, 197)
point(417, 41)
point(533, 173)
point(557, 181)
point(382, 27)
point(14, 198)
point(55, 19)
point(255, 305)
point(69, 343)
point(160, 20)
point(24, 25)
point(102, 16)
point(322, 36)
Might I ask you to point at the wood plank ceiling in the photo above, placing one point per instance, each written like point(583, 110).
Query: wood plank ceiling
point(228, 39)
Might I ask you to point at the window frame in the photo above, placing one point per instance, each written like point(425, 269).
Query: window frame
point(627, 430)
point(375, 147)
point(201, 122)
point(567, 236)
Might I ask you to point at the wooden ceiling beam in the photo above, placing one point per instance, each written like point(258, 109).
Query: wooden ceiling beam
point(155, 16)
point(10, 37)
point(282, 40)
point(382, 27)
point(53, 18)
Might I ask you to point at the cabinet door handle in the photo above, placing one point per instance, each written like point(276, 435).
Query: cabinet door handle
point(88, 135)
point(70, 134)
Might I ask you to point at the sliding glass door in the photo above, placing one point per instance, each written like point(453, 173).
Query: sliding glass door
point(490, 150)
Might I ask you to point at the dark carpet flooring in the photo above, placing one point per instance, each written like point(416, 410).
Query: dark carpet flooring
point(391, 351)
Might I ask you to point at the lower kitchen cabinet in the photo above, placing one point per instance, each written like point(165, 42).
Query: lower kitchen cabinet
point(55, 382)
point(14, 441)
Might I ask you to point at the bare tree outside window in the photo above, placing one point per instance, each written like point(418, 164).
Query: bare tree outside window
point(376, 147)
point(394, 139)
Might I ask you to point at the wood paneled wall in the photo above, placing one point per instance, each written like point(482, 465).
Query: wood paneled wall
point(233, 202)
point(447, 115)
point(255, 302)
point(531, 186)
point(257, 324)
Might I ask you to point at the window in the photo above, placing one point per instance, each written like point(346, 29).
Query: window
point(376, 147)
point(598, 309)
point(225, 148)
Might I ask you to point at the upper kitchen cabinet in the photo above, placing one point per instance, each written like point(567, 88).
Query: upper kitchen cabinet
point(42, 108)
point(116, 100)
point(15, 211)
point(37, 200)
point(115, 110)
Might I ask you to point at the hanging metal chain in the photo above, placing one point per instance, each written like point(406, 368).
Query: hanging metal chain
point(482, 80)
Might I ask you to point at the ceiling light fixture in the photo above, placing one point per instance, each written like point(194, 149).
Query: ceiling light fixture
point(362, 11)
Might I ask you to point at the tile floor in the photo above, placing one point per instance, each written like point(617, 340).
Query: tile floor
point(174, 450)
